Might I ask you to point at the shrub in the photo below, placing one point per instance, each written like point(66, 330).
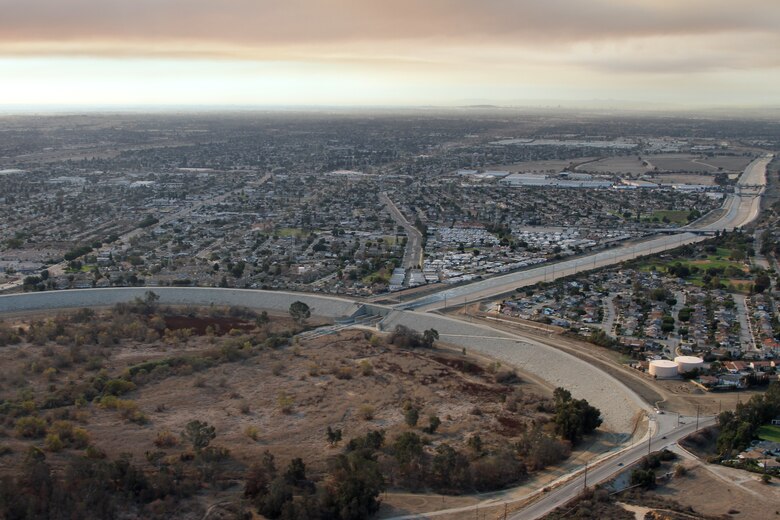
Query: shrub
point(411, 416)
point(199, 434)
point(252, 432)
point(366, 412)
point(166, 439)
point(94, 453)
point(366, 368)
point(343, 373)
point(31, 427)
point(118, 387)
point(72, 436)
point(333, 436)
point(506, 376)
point(53, 443)
point(433, 424)
point(244, 407)
point(127, 409)
point(285, 403)
point(50, 373)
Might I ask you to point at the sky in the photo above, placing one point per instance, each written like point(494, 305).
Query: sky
point(666, 53)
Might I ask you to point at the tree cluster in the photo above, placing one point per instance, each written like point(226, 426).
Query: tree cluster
point(405, 337)
point(740, 427)
point(574, 418)
point(350, 490)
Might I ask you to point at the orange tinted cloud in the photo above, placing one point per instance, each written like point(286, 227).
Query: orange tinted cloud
point(648, 49)
point(257, 24)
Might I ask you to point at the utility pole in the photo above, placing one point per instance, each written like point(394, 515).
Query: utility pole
point(585, 481)
point(649, 439)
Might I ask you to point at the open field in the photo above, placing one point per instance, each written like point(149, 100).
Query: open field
point(545, 166)
point(130, 379)
point(616, 165)
point(698, 163)
point(721, 259)
point(724, 492)
point(769, 433)
point(672, 216)
point(735, 163)
point(684, 178)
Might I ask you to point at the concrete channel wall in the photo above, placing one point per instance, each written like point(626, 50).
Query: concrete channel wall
point(325, 306)
point(619, 405)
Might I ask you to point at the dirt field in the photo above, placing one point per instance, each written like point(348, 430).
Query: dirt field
point(630, 165)
point(281, 399)
point(687, 178)
point(698, 163)
point(546, 166)
point(721, 491)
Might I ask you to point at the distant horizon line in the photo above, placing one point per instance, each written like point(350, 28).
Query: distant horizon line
point(596, 104)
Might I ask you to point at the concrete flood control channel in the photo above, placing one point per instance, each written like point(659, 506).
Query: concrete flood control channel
point(618, 404)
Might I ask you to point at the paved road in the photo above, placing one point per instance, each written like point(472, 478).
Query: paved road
point(745, 329)
point(607, 469)
point(738, 210)
point(413, 255)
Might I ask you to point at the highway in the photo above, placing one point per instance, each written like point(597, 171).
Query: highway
point(739, 210)
point(413, 254)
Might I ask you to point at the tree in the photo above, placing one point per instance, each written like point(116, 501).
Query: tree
point(449, 468)
point(355, 484)
point(411, 416)
point(408, 448)
point(644, 478)
point(199, 434)
point(762, 283)
point(334, 436)
point(429, 336)
point(300, 312)
point(433, 424)
point(574, 418)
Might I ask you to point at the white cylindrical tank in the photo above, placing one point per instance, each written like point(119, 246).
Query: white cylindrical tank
point(688, 363)
point(663, 368)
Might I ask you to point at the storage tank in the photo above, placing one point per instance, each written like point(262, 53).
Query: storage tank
point(663, 368)
point(688, 363)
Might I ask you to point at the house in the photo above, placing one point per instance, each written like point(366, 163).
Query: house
point(736, 367)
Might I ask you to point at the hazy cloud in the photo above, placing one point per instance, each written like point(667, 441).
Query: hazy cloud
point(256, 24)
point(648, 48)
